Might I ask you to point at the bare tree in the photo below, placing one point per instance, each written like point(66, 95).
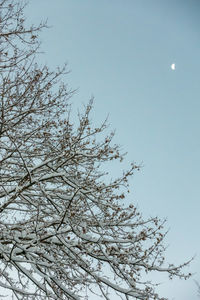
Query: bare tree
point(63, 225)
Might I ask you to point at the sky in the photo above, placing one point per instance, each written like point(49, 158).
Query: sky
point(120, 52)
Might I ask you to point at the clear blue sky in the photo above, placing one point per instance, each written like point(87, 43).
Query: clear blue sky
point(120, 51)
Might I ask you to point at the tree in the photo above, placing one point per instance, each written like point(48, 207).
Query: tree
point(61, 221)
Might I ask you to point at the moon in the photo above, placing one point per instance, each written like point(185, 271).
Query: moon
point(173, 66)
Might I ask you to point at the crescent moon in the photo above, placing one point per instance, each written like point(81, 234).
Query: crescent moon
point(173, 67)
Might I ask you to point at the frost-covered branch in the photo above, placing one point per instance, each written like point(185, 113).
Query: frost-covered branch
point(63, 221)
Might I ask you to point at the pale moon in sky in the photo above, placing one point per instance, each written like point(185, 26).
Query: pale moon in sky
point(173, 67)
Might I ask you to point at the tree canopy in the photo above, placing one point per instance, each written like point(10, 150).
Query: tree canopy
point(63, 226)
